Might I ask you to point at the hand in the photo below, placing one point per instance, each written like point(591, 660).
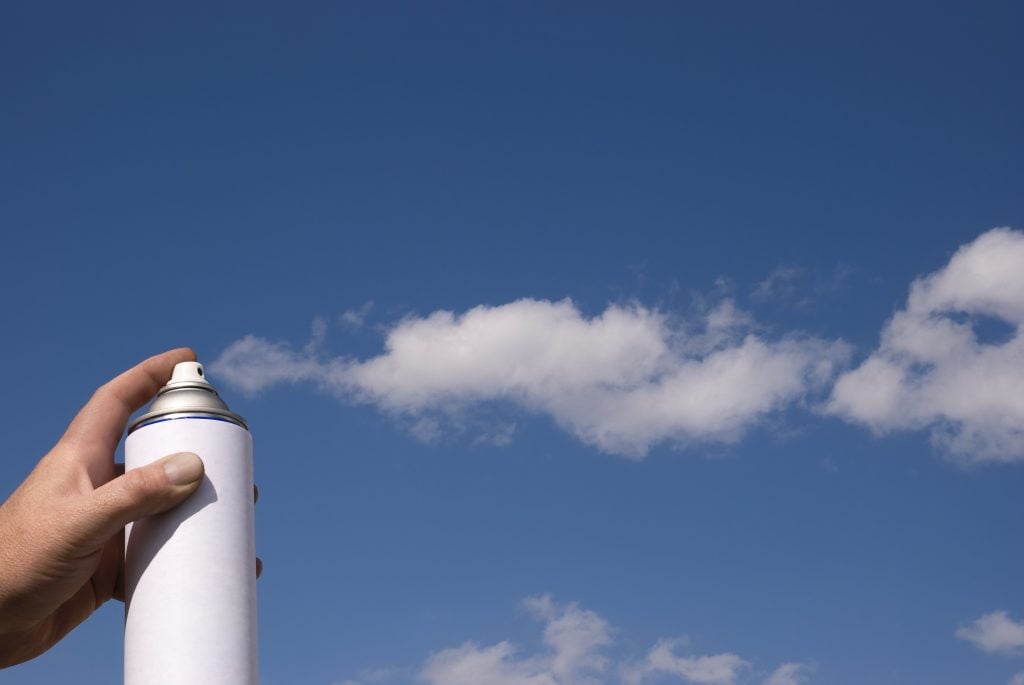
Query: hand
point(62, 531)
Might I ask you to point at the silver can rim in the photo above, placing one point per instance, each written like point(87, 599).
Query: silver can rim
point(185, 413)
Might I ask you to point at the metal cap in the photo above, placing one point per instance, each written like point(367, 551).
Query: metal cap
point(188, 392)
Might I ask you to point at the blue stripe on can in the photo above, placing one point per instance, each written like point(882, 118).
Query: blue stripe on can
point(205, 417)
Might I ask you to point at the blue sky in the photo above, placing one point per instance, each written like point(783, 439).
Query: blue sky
point(599, 317)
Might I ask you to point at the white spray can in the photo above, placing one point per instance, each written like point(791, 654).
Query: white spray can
point(190, 573)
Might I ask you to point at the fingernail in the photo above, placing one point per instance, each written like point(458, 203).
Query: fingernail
point(183, 468)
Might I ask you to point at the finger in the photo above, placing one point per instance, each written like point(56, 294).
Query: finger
point(102, 420)
point(140, 492)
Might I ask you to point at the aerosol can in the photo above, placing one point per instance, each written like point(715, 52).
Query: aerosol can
point(190, 573)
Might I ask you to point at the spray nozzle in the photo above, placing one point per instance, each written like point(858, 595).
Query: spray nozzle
point(187, 372)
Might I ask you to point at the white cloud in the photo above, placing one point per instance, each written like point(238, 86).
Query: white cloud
point(498, 664)
point(995, 633)
point(355, 319)
point(575, 644)
point(573, 636)
point(932, 368)
point(252, 364)
point(1017, 679)
point(663, 660)
point(622, 381)
point(793, 673)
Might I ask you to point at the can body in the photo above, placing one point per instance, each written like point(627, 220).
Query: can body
point(190, 574)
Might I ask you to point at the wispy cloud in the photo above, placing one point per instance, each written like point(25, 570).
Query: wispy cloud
point(801, 288)
point(936, 367)
point(781, 284)
point(355, 318)
point(623, 381)
point(995, 633)
point(793, 673)
point(664, 660)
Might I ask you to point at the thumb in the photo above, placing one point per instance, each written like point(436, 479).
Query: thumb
point(140, 492)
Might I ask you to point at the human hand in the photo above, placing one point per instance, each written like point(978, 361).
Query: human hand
point(62, 531)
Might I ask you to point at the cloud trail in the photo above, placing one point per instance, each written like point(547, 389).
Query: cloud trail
point(622, 381)
point(950, 362)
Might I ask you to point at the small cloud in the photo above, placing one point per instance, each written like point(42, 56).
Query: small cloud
point(1017, 679)
point(499, 434)
point(799, 288)
point(426, 430)
point(793, 673)
point(355, 319)
point(252, 364)
point(936, 367)
point(782, 284)
point(573, 639)
point(317, 336)
point(995, 633)
point(664, 660)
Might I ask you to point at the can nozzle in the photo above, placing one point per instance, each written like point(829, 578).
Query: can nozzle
point(187, 372)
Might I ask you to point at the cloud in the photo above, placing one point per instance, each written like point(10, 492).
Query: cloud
point(792, 673)
point(495, 665)
point(355, 319)
point(574, 653)
point(799, 288)
point(995, 633)
point(622, 381)
point(662, 660)
point(781, 284)
point(573, 637)
point(1017, 679)
point(938, 368)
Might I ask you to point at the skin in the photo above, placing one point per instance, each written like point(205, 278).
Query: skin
point(62, 531)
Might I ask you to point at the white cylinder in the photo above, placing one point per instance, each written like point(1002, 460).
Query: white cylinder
point(190, 573)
